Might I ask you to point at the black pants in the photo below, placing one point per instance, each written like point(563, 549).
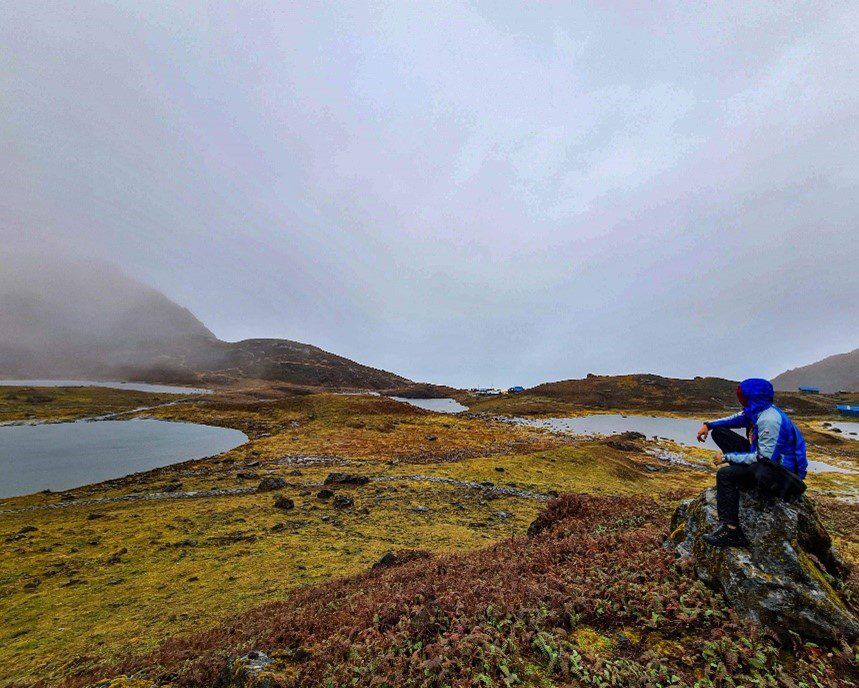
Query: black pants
point(732, 478)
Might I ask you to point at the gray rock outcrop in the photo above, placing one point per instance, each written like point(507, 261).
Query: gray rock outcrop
point(790, 576)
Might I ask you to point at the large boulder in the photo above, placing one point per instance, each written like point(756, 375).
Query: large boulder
point(346, 479)
point(271, 483)
point(788, 579)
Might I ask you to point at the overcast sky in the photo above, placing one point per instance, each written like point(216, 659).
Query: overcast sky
point(467, 193)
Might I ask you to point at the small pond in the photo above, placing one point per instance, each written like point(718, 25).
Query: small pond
point(64, 455)
point(136, 386)
point(680, 430)
point(849, 429)
point(444, 405)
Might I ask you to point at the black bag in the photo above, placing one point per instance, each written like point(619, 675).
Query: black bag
point(774, 480)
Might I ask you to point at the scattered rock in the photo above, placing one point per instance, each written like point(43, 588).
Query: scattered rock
point(295, 472)
point(325, 494)
point(27, 529)
point(431, 438)
point(283, 502)
point(249, 670)
point(277, 527)
point(394, 558)
point(116, 557)
point(31, 585)
point(787, 579)
point(115, 581)
point(499, 469)
point(247, 475)
point(270, 483)
point(342, 501)
point(94, 515)
point(623, 446)
point(387, 559)
point(420, 509)
point(172, 487)
point(503, 514)
point(72, 581)
point(345, 479)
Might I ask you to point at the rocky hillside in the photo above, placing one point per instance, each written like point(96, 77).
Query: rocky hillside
point(88, 319)
point(832, 374)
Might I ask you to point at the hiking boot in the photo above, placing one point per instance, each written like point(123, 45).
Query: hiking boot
point(727, 537)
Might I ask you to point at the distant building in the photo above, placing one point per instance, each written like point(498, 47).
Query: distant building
point(809, 390)
point(516, 389)
point(847, 410)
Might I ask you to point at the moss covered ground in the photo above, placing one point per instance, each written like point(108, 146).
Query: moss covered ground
point(71, 403)
point(88, 578)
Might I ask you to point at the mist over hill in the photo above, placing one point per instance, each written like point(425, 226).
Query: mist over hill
point(86, 318)
point(831, 374)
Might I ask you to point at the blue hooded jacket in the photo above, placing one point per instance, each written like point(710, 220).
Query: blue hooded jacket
point(774, 436)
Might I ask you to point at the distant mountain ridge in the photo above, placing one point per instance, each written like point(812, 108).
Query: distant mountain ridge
point(831, 374)
point(81, 318)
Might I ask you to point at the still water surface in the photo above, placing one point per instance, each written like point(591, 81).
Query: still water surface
point(65, 455)
point(681, 430)
point(849, 429)
point(136, 386)
point(438, 405)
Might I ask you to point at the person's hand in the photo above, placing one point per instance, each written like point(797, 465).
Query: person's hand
point(719, 458)
point(703, 432)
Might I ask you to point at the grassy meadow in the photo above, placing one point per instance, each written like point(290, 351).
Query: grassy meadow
point(102, 573)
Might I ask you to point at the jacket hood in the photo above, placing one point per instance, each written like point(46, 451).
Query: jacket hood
point(756, 395)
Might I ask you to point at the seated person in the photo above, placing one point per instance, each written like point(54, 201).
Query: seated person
point(771, 436)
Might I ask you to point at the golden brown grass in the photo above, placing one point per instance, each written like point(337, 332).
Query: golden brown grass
point(191, 563)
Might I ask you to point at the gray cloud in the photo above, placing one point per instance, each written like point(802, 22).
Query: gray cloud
point(457, 192)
